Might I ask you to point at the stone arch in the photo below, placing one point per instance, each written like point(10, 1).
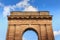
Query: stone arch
point(41, 22)
point(32, 30)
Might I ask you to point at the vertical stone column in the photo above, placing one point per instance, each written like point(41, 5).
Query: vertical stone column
point(17, 32)
point(39, 32)
point(43, 32)
point(10, 35)
point(49, 32)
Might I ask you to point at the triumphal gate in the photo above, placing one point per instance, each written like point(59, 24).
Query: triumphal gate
point(40, 22)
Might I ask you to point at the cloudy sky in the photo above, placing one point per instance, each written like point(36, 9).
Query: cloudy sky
point(6, 6)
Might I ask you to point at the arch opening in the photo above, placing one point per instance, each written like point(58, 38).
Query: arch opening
point(30, 34)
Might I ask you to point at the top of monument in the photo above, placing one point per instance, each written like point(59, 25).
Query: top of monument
point(30, 13)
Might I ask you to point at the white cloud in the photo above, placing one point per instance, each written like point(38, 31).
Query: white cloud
point(6, 11)
point(30, 8)
point(56, 33)
point(23, 4)
point(26, 6)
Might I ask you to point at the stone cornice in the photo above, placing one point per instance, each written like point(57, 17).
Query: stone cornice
point(30, 17)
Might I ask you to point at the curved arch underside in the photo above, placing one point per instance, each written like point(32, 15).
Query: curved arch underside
point(30, 34)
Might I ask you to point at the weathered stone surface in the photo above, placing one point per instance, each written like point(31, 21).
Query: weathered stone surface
point(19, 22)
point(30, 13)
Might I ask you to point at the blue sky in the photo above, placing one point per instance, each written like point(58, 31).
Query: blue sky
point(6, 6)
